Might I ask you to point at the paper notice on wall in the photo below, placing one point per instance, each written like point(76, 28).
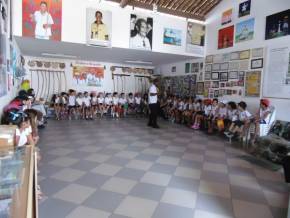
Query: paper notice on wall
point(277, 82)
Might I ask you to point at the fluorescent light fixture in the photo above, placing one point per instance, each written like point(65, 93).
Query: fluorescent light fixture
point(138, 62)
point(58, 55)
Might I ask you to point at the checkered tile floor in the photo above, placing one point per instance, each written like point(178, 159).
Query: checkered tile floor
point(122, 168)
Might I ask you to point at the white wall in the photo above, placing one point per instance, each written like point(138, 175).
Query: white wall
point(259, 10)
point(74, 24)
point(130, 85)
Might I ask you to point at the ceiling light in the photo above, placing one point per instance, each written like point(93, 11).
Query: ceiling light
point(59, 55)
point(138, 62)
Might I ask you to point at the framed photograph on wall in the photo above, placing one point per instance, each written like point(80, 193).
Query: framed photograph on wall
point(172, 37)
point(235, 56)
point(200, 88)
point(245, 8)
point(257, 63)
point(253, 82)
point(234, 65)
point(173, 69)
point(215, 84)
point(245, 54)
point(194, 67)
point(216, 93)
point(278, 25)
point(233, 75)
point(215, 67)
point(207, 76)
point(257, 52)
point(224, 66)
point(208, 68)
point(226, 37)
point(245, 30)
point(209, 59)
point(226, 57)
point(218, 58)
point(223, 76)
point(244, 65)
point(227, 16)
point(187, 67)
point(215, 75)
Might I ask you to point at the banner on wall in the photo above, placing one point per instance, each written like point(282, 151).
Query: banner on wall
point(99, 27)
point(141, 32)
point(195, 37)
point(41, 19)
point(88, 76)
point(226, 37)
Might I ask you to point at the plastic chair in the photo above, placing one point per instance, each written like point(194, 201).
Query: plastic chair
point(265, 128)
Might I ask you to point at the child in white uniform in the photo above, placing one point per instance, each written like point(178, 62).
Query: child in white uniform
point(80, 105)
point(101, 104)
point(87, 106)
point(71, 103)
point(115, 106)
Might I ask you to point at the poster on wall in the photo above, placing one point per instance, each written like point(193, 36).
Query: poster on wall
point(195, 37)
point(41, 19)
point(226, 37)
point(245, 8)
point(245, 30)
point(253, 84)
point(227, 16)
point(3, 82)
point(278, 25)
point(277, 74)
point(88, 76)
point(99, 27)
point(141, 32)
point(172, 36)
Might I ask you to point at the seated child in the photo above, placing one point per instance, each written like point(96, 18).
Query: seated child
point(87, 106)
point(179, 110)
point(138, 103)
point(237, 127)
point(115, 107)
point(101, 104)
point(123, 105)
point(94, 103)
point(221, 115)
point(108, 103)
point(232, 114)
point(187, 114)
point(213, 115)
point(197, 114)
point(71, 103)
point(131, 103)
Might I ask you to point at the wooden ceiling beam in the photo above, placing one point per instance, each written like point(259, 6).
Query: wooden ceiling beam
point(188, 6)
point(206, 6)
point(182, 4)
point(190, 9)
point(204, 13)
point(203, 3)
point(124, 3)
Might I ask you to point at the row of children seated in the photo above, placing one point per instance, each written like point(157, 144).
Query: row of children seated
point(88, 105)
point(229, 118)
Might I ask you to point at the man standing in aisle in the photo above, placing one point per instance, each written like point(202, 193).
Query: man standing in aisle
point(153, 106)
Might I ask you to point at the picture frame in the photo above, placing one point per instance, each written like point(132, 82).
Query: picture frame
point(223, 76)
point(224, 66)
point(244, 65)
point(200, 88)
point(241, 74)
point(208, 67)
point(233, 75)
point(235, 56)
point(234, 65)
point(277, 25)
point(207, 76)
point(257, 52)
point(187, 67)
point(245, 54)
point(215, 84)
point(194, 67)
point(227, 16)
point(218, 58)
point(257, 63)
point(209, 59)
point(245, 8)
point(216, 93)
point(173, 69)
point(222, 85)
point(215, 67)
point(215, 75)
point(226, 37)
point(226, 57)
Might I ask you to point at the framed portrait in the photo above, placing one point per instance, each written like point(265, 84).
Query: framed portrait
point(278, 25)
point(141, 32)
point(209, 59)
point(244, 54)
point(226, 37)
point(224, 66)
point(194, 67)
point(208, 67)
point(99, 27)
point(235, 56)
point(35, 27)
point(215, 75)
point(216, 93)
point(215, 84)
point(195, 34)
point(207, 76)
point(241, 74)
point(245, 30)
point(233, 75)
point(245, 8)
point(215, 67)
point(257, 52)
point(173, 69)
point(257, 63)
point(172, 36)
point(244, 65)
point(200, 88)
point(223, 76)
point(234, 65)
point(187, 67)
point(227, 16)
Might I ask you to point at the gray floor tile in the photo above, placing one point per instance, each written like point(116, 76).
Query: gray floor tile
point(84, 165)
point(148, 191)
point(146, 157)
point(164, 210)
point(50, 186)
point(104, 200)
point(55, 208)
point(184, 183)
point(92, 180)
point(246, 194)
point(129, 173)
point(119, 161)
point(214, 177)
point(163, 168)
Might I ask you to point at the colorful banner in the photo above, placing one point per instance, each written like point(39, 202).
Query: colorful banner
point(42, 19)
point(226, 37)
point(88, 76)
